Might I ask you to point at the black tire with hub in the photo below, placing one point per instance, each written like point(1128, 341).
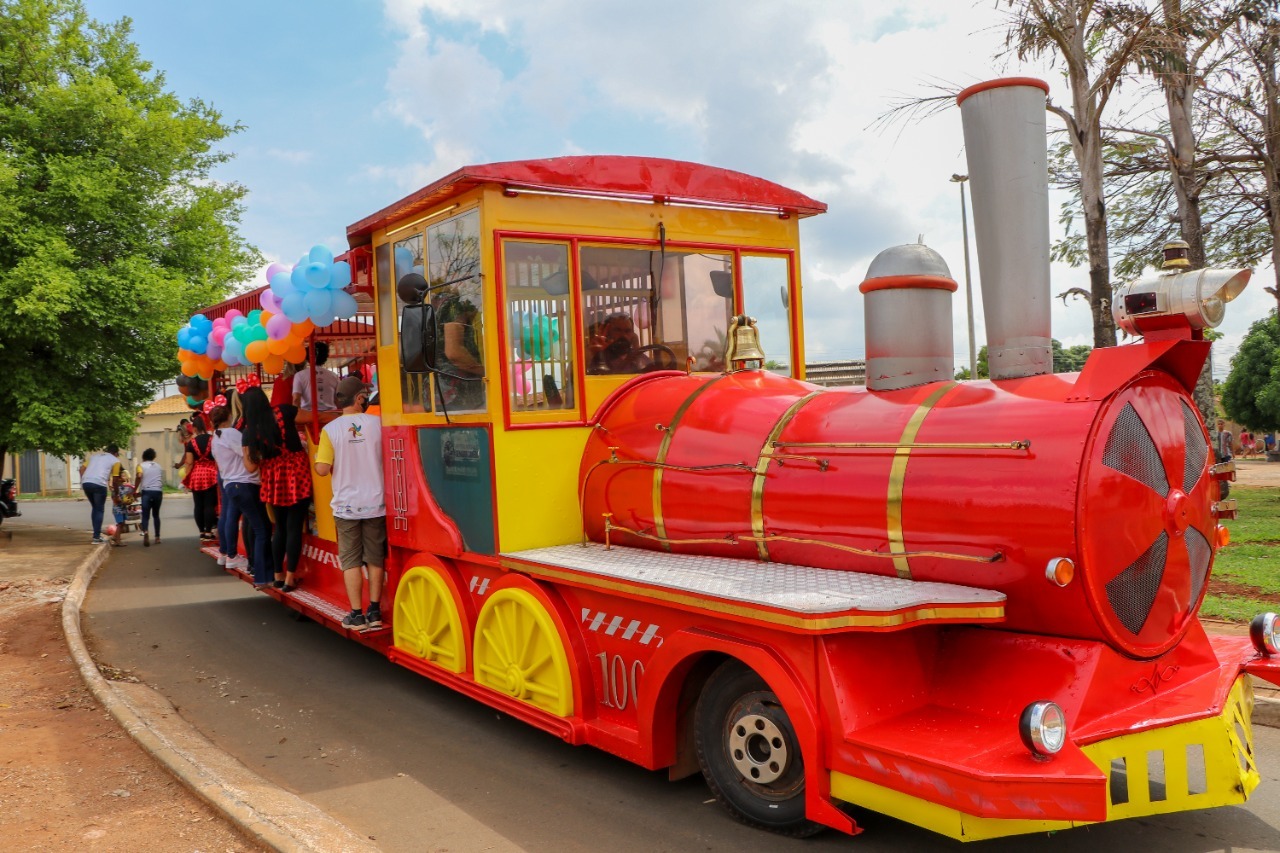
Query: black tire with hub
point(749, 752)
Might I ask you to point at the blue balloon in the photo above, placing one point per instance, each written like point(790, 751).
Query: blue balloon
point(197, 344)
point(317, 274)
point(238, 322)
point(319, 302)
point(232, 351)
point(339, 275)
point(299, 278)
point(320, 254)
point(344, 304)
point(294, 306)
point(282, 285)
point(184, 337)
point(201, 323)
point(404, 262)
point(323, 320)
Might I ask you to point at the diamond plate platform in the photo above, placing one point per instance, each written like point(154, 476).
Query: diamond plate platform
point(803, 590)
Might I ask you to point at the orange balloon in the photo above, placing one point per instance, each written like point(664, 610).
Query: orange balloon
point(278, 347)
point(264, 317)
point(220, 366)
point(306, 327)
point(256, 351)
point(296, 354)
point(189, 367)
point(273, 364)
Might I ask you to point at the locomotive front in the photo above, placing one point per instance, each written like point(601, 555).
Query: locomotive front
point(1089, 499)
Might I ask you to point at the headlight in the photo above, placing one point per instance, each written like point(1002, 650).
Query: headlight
point(1262, 630)
point(1043, 728)
point(1198, 298)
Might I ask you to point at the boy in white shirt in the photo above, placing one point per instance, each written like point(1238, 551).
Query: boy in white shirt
point(149, 483)
point(351, 448)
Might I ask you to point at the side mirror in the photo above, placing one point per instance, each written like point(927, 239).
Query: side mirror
point(722, 283)
point(410, 288)
point(418, 338)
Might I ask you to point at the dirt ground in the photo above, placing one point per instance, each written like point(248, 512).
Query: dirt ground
point(70, 778)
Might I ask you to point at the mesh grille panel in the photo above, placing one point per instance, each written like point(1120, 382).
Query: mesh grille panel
point(1197, 449)
point(1133, 591)
point(1199, 552)
point(1130, 450)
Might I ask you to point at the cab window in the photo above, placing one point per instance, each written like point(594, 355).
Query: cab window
point(766, 297)
point(539, 342)
point(649, 309)
point(453, 276)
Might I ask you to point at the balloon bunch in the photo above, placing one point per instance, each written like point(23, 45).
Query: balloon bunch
point(313, 289)
point(193, 388)
point(310, 294)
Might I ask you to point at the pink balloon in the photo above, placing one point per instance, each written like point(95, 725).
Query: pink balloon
point(234, 313)
point(522, 378)
point(279, 327)
point(271, 272)
point(218, 334)
point(642, 316)
point(268, 300)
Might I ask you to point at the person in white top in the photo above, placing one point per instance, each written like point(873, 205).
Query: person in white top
point(326, 386)
point(240, 498)
point(149, 482)
point(351, 448)
point(97, 476)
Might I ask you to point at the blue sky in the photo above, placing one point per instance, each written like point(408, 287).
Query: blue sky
point(348, 106)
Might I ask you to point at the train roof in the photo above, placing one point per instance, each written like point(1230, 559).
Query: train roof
point(609, 176)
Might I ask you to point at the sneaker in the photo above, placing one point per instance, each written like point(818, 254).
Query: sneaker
point(98, 540)
point(355, 621)
point(373, 619)
point(241, 563)
point(222, 559)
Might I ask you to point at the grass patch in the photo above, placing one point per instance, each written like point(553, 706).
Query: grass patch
point(1246, 573)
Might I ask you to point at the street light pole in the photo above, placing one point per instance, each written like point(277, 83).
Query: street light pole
point(968, 283)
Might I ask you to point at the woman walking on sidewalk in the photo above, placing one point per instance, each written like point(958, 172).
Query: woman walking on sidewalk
point(149, 482)
point(240, 497)
point(96, 477)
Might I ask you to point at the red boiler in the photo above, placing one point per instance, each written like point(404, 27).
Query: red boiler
point(987, 484)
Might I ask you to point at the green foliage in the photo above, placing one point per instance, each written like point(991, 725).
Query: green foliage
point(1251, 394)
point(112, 230)
point(1071, 359)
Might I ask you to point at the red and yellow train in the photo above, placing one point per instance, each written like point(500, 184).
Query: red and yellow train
point(617, 511)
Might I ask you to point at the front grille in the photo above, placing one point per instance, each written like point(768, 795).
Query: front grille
point(1131, 450)
point(1133, 591)
point(1197, 449)
point(1198, 552)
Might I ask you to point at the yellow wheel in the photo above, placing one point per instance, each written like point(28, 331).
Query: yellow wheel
point(426, 623)
point(518, 652)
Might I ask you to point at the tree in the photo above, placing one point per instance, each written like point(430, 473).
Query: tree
point(1095, 41)
point(112, 229)
point(1251, 394)
point(1069, 359)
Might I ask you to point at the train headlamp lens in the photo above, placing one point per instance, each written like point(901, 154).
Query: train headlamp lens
point(1263, 631)
point(1043, 728)
point(1060, 571)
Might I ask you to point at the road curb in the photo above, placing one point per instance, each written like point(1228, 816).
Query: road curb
point(1266, 712)
point(262, 811)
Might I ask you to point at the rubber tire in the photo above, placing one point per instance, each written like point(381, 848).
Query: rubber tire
point(732, 691)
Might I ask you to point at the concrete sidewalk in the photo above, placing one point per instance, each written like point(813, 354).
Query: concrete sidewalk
point(264, 812)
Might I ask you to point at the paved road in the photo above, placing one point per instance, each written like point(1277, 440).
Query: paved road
point(418, 767)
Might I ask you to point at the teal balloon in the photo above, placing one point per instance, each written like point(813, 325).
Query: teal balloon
point(255, 317)
point(192, 402)
point(539, 336)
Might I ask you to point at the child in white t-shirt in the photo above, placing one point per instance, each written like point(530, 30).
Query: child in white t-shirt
point(149, 483)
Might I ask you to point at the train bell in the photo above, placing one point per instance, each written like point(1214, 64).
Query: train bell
point(744, 343)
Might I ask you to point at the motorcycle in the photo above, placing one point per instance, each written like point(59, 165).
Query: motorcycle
point(8, 499)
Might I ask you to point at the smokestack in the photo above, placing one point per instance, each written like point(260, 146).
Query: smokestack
point(1004, 138)
point(908, 318)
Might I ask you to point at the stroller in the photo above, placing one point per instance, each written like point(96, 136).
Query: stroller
point(126, 508)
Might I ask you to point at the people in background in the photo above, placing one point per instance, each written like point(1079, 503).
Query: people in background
point(351, 450)
point(1223, 448)
point(326, 385)
point(97, 478)
point(202, 473)
point(1246, 443)
point(272, 449)
point(282, 387)
point(149, 483)
point(240, 498)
